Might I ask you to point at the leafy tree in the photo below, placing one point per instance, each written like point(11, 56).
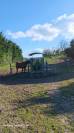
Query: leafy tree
point(10, 52)
point(47, 53)
point(70, 51)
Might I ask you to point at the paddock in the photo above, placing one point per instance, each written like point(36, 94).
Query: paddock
point(34, 64)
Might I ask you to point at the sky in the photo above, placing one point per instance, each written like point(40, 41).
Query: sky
point(36, 25)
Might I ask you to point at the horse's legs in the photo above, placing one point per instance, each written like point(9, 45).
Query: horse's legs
point(22, 69)
point(16, 70)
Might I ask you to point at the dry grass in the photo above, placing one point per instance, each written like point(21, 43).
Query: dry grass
point(37, 107)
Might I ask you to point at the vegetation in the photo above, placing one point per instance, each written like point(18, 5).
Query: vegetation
point(70, 51)
point(9, 51)
point(29, 105)
point(36, 64)
point(38, 105)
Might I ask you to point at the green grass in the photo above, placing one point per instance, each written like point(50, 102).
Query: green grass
point(37, 108)
point(5, 68)
point(54, 59)
point(32, 107)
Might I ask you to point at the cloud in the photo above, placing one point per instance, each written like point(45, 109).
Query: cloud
point(62, 17)
point(71, 28)
point(46, 32)
point(62, 26)
point(68, 31)
point(65, 17)
point(15, 35)
point(40, 50)
point(66, 25)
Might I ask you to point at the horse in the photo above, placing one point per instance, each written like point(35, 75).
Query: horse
point(22, 65)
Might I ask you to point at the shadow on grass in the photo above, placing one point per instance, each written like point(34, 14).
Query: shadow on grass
point(53, 102)
point(24, 78)
point(56, 73)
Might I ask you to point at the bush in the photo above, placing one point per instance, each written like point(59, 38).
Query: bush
point(36, 65)
point(70, 51)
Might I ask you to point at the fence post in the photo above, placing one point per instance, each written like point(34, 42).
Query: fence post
point(10, 69)
point(28, 68)
point(46, 66)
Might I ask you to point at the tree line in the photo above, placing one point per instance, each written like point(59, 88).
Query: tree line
point(66, 49)
point(70, 50)
point(10, 52)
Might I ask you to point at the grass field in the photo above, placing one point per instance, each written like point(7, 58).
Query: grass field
point(44, 105)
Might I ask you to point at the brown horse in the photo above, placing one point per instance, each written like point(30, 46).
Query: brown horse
point(22, 65)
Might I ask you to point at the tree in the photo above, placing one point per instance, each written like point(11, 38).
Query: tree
point(70, 50)
point(9, 51)
point(63, 45)
point(47, 53)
